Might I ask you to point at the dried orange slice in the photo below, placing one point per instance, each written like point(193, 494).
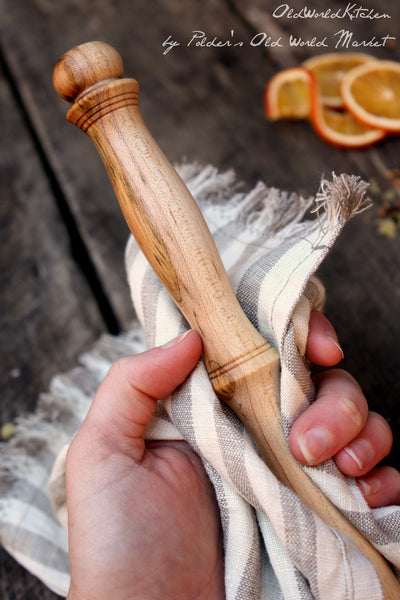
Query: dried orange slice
point(329, 70)
point(372, 93)
point(287, 95)
point(338, 126)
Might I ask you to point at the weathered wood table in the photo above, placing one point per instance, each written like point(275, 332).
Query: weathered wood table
point(62, 233)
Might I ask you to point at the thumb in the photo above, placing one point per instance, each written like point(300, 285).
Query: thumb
point(127, 398)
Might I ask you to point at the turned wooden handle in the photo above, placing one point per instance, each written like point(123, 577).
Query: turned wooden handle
point(170, 229)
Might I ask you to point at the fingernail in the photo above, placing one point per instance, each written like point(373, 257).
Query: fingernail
point(361, 451)
point(370, 486)
point(354, 456)
point(314, 443)
point(332, 338)
point(176, 340)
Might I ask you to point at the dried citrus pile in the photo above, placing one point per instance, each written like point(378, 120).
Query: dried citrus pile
point(352, 100)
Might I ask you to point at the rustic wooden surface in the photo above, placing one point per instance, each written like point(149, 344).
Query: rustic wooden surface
point(62, 233)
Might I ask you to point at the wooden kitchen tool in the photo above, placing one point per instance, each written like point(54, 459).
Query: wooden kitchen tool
point(170, 229)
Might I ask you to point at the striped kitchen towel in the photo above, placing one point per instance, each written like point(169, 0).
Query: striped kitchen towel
point(275, 548)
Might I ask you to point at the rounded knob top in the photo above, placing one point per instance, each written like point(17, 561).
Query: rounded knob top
point(84, 66)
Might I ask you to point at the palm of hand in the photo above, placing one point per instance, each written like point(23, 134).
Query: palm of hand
point(158, 520)
point(143, 519)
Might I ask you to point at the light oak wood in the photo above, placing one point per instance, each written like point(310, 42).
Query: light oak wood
point(170, 229)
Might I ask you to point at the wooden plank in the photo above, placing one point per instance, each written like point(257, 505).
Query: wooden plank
point(362, 274)
point(202, 103)
point(47, 313)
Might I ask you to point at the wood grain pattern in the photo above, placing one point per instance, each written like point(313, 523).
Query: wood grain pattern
point(48, 315)
point(173, 235)
point(204, 105)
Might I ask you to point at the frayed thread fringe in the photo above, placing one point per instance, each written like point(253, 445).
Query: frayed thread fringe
point(270, 210)
point(342, 198)
point(40, 436)
point(261, 211)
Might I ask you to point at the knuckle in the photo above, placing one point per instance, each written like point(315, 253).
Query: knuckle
point(352, 409)
point(346, 401)
point(121, 373)
point(352, 401)
point(383, 429)
point(118, 368)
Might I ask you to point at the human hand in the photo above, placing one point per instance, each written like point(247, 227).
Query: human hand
point(339, 425)
point(143, 519)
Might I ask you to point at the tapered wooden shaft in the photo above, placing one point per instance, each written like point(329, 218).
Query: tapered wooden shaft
point(170, 229)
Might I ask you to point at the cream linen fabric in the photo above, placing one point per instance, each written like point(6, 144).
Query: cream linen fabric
point(275, 548)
